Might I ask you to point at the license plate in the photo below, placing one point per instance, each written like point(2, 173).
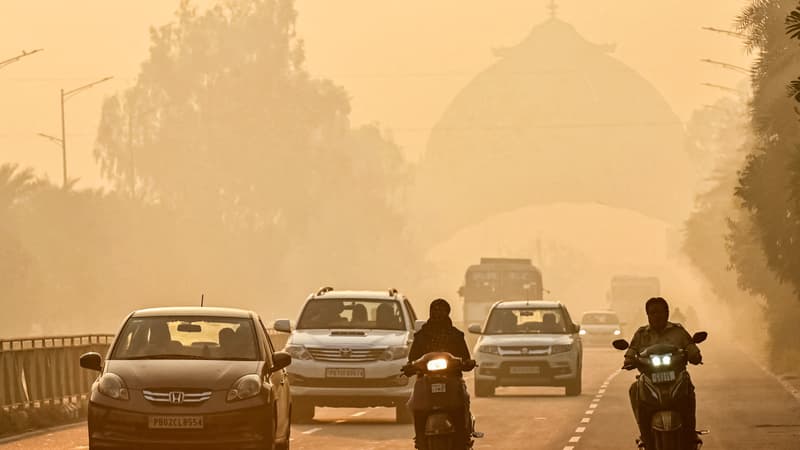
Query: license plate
point(663, 377)
point(438, 387)
point(176, 422)
point(525, 370)
point(335, 372)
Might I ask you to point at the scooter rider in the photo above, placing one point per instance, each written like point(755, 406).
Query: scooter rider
point(439, 335)
point(661, 331)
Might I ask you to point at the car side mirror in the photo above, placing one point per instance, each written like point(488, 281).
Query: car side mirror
point(699, 337)
point(92, 361)
point(623, 323)
point(576, 327)
point(283, 325)
point(475, 329)
point(280, 360)
point(418, 324)
point(620, 344)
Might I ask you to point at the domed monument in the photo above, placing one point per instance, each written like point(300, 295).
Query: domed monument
point(555, 119)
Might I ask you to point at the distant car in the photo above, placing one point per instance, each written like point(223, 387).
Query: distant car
point(600, 327)
point(190, 377)
point(347, 351)
point(528, 343)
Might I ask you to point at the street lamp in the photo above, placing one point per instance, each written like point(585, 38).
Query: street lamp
point(18, 57)
point(65, 96)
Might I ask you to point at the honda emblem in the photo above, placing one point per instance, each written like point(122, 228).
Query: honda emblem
point(176, 397)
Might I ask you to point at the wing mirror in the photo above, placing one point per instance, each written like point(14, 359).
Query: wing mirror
point(283, 325)
point(475, 329)
point(280, 360)
point(620, 344)
point(576, 327)
point(699, 337)
point(418, 324)
point(92, 361)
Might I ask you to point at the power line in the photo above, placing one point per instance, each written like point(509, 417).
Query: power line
point(18, 57)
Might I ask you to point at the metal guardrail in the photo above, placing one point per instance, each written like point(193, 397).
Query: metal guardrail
point(46, 369)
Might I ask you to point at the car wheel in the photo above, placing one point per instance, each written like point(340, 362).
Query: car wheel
point(402, 414)
point(302, 411)
point(574, 386)
point(484, 388)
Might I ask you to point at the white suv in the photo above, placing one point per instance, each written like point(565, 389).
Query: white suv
point(347, 351)
point(528, 343)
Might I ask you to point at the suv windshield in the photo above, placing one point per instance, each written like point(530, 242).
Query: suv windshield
point(599, 319)
point(526, 320)
point(185, 337)
point(352, 314)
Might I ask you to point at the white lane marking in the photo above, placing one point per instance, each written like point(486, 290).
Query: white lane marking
point(586, 420)
point(569, 448)
point(580, 429)
point(358, 414)
point(311, 431)
point(574, 439)
point(593, 405)
point(340, 421)
point(589, 411)
point(602, 391)
point(541, 418)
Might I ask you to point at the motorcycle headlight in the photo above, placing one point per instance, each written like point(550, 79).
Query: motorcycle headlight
point(666, 360)
point(561, 348)
point(582, 332)
point(245, 387)
point(437, 364)
point(112, 386)
point(490, 349)
point(298, 352)
point(617, 332)
point(395, 352)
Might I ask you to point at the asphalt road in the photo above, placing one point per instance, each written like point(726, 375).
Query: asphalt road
point(742, 405)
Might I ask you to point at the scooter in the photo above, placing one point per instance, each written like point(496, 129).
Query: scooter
point(663, 385)
point(440, 391)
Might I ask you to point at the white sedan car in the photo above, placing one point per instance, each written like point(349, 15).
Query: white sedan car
point(528, 343)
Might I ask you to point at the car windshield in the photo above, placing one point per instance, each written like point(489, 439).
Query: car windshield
point(526, 320)
point(599, 319)
point(185, 337)
point(352, 314)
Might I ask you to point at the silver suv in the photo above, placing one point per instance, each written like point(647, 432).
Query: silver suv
point(347, 350)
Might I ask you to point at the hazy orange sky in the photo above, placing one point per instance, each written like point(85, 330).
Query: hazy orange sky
point(401, 62)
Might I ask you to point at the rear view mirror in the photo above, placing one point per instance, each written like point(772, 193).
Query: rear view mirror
point(280, 360)
point(283, 325)
point(92, 361)
point(475, 329)
point(576, 327)
point(620, 344)
point(189, 328)
point(418, 324)
point(699, 337)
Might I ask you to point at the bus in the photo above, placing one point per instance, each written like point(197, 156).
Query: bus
point(496, 279)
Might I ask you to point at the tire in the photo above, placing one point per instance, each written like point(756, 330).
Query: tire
point(574, 386)
point(484, 388)
point(440, 442)
point(403, 415)
point(302, 411)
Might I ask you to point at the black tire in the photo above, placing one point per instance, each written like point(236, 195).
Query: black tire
point(302, 411)
point(574, 386)
point(440, 442)
point(484, 388)
point(403, 415)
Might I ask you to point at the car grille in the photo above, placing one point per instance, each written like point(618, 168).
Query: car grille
point(346, 354)
point(297, 380)
point(169, 397)
point(524, 350)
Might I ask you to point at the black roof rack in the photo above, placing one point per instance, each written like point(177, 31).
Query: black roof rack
point(324, 290)
point(393, 292)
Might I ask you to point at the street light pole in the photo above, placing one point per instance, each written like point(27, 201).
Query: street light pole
point(18, 57)
point(65, 96)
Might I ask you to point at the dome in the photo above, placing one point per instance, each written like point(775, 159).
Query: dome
point(555, 119)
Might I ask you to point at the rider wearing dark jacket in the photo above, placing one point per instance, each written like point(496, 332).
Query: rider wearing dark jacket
point(439, 335)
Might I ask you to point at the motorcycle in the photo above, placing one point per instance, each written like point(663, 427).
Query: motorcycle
point(440, 391)
point(663, 386)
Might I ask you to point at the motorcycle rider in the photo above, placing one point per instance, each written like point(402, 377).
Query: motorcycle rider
point(661, 331)
point(439, 335)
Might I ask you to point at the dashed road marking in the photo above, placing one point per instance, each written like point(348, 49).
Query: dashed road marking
point(574, 439)
point(580, 429)
point(359, 414)
point(589, 412)
point(312, 431)
point(586, 420)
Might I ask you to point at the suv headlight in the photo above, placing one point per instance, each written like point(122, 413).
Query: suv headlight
point(490, 349)
point(560, 348)
point(582, 332)
point(112, 386)
point(395, 352)
point(298, 352)
point(245, 387)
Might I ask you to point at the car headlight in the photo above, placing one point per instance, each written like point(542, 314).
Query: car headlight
point(437, 364)
point(617, 332)
point(395, 352)
point(245, 387)
point(112, 386)
point(490, 349)
point(582, 332)
point(560, 348)
point(298, 352)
